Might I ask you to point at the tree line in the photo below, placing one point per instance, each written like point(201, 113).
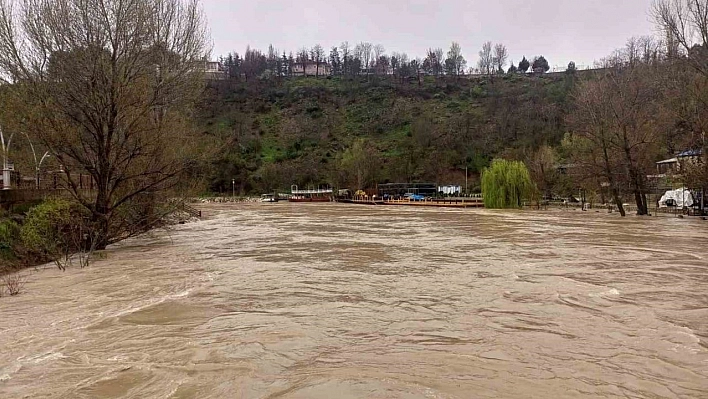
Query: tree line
point(366, 58)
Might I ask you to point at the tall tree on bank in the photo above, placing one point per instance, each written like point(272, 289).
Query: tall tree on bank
point(104, 85)
point(617, 114)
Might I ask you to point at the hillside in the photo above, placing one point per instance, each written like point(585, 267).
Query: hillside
point(269, 134)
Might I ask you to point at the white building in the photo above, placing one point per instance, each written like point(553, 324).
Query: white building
point(311, 68)
point(214, 70)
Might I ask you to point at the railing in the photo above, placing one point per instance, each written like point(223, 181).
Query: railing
point(304, 192)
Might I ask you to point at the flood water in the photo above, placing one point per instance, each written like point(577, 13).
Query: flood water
point(345, 301)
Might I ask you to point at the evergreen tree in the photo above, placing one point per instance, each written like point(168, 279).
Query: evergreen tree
point(571, 68)
point(524, 65)
point(512, 68)
point(284, 65)
point(540, 64)
point(335, 62)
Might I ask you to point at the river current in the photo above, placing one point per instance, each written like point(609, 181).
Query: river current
point(344, 301)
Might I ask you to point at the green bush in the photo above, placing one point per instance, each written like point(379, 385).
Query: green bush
point(9, 237)
point(54, 227)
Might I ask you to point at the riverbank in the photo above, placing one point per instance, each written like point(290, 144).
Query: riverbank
point(330, 300)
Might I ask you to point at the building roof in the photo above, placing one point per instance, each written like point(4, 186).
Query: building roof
point(668, 161)
point(690, 153)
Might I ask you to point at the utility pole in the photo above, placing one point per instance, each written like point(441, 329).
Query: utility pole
point(6, 170)
point(466, 192)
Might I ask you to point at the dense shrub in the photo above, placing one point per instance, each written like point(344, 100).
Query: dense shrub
point(9, 240)
point(55, 228)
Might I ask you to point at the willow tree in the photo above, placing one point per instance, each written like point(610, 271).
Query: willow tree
point(505, 184)
point(107, 87)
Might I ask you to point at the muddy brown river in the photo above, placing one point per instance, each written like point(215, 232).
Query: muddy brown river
point(340, 301)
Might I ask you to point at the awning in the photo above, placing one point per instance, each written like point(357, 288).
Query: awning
point(668, 161)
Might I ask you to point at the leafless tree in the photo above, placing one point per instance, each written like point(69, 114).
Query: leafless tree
point(616, 113)
point(649, 49)
point(366, 49)
point(105, 85)
point(486, 59)
point(500, 57)
point(685, 24)
point(303, 55)
point(318, 56)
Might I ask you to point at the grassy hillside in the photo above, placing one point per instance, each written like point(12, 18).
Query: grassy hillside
point(268, 135)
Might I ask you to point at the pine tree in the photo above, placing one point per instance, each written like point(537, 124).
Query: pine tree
point(524, 65)
point(335, 62)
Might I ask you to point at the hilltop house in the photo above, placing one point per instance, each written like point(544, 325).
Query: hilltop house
point(311, 68)
point(213, 70)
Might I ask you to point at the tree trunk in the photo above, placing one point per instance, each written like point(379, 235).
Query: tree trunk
point(611, 180)
point(639, 195)
point(99, 219)
point(618, 201)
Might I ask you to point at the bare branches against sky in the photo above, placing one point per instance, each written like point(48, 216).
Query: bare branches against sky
point(561, 30)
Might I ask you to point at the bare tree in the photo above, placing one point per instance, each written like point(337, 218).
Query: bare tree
point(500, 57)
point(685, 24)
point(687, 20)
point(105, 85)
point(318, 57)
point(617, 114)
point(593, 152)
point(366, 49)
point(649, 49)
point(486, 59)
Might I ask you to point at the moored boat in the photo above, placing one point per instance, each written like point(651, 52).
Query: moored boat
point(269, 198)
point(318, 195)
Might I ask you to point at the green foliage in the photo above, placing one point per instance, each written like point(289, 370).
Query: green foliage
point(296, 131)
point(524, 65)
point(505, 184)
point(49, 227)
point(540, 63)
point(9, 234)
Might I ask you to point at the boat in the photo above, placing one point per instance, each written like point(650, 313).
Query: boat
point(269, 198)
point(318, 195)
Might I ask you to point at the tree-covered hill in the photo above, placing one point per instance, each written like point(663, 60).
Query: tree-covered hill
point(354, 132)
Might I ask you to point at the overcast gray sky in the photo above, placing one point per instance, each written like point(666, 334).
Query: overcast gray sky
point(561, 30)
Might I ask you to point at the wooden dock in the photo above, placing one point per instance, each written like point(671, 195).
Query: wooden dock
point(472, 202)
